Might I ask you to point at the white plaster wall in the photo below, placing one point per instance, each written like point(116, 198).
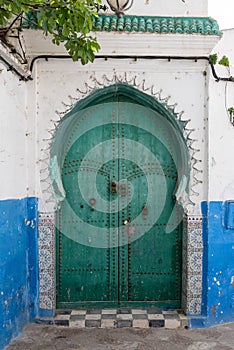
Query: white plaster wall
point(122, 43)
point(221, 131)
point(184, 82)
point(13, 120)
point(168, 8)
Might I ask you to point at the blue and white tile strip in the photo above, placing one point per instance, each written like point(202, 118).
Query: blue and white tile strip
point(46, 246)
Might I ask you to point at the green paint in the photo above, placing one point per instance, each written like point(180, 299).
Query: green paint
point(55, 175)
point(147, 24)
point(117, 259)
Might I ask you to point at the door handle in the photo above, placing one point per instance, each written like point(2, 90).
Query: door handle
point(114, 187)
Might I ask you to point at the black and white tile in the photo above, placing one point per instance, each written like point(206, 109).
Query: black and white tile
point(118, 318)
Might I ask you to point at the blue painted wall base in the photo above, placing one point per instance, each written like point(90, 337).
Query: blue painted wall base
point(19, 279)
point(46, 313)
point(19, 266)
point(218, 265)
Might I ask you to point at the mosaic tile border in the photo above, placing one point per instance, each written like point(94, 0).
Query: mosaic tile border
point(192, 252)
point(118, 318)
point(194, 265)
point(46, 254)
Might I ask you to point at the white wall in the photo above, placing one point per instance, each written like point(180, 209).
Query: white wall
point(184, 82)
point(35, 103)
point(169, 8)
point(13, 120)
point(221, 131)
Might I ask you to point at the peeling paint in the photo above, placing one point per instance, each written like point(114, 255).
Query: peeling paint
point(51, 85)
point(214, 308)
point(18, 260)
point(219, 269)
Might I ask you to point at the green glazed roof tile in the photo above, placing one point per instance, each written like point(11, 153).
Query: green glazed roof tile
point(146, 24)
point(181, 25)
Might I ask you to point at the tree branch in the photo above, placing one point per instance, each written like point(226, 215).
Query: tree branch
point(13, 22)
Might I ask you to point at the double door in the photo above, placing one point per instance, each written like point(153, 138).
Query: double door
point(118, 239)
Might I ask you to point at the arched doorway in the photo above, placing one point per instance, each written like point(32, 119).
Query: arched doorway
point(119, 229)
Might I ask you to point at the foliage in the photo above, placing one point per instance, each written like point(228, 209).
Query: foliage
point(230, 110)
point(68, 21)
point(231, 114)
point(224, 61)
point(213, 58)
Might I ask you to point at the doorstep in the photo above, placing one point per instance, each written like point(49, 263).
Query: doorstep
point(118, 318)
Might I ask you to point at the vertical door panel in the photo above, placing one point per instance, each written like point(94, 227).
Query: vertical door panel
point(87, 251)
point(150, 264)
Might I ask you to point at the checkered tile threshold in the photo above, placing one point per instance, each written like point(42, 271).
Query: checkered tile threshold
point(118, 318)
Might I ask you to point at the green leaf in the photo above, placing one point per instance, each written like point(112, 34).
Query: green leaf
point(213, 58)
point(224, 61)
point(69, 22)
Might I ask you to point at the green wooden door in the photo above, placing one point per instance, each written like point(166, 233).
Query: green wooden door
point(113, 242)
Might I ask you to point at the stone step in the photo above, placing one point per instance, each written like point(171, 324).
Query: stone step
point(118, 318)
